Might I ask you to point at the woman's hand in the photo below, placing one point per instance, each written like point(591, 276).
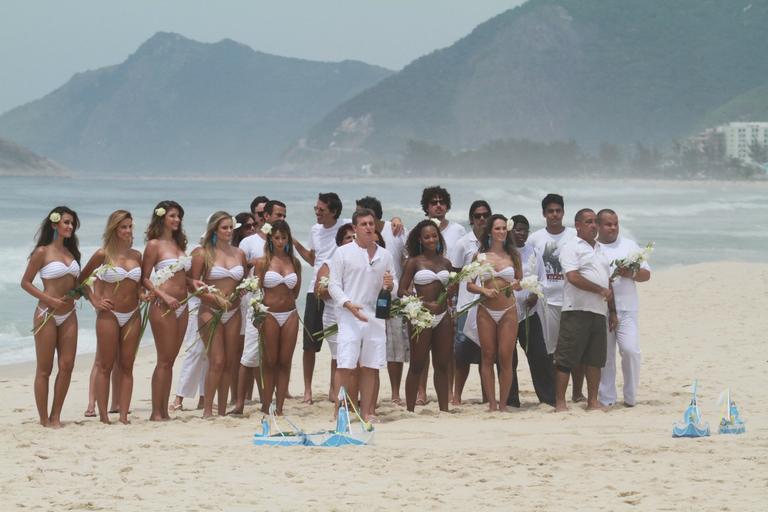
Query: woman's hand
point(221, 302)
point(104, 305)
point(169, 301)
point(490, 293)
point(57, 304)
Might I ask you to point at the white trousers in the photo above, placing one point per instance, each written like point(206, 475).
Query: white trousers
point(626, 337)
point(550, 322)
point(250, 357)
point(195, 364)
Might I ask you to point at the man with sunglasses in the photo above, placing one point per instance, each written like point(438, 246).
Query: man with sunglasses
point(465, 350)
point(257, 209)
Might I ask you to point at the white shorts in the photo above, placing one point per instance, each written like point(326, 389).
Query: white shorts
point(250, 357)
point(361, 342)
point(329, 318)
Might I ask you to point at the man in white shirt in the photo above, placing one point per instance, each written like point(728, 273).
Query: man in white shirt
point(359, 271)
point(466, 351)
point(548, 242)
point(320, 248)
point(398, 347)
point(615, 247)
point(587, 301)
point(529, 331)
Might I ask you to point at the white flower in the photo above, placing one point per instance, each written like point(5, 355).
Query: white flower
point(481, 257)
point(324, 282)
point(160, 211)
point(235, 224)
point(531, 284)
point(510, 224)
point(249, 284)
point(436, 221)
point(452, 275)
point(55, 217)
point(266, 228)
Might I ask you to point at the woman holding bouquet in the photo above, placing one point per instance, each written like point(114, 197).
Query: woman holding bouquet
point(221, 266)
point(164, 252)
point(279, 272)
point(115, 297)
point(497, 314)
point(427, 272)
point(56, 257)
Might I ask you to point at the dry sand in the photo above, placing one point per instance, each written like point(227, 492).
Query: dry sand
point(706, 321)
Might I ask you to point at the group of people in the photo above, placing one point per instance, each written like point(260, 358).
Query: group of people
point(587, 307)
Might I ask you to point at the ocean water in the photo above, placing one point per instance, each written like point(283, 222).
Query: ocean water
point(690, 222)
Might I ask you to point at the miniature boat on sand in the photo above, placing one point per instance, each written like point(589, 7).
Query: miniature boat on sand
point(731, 422)
point(272, 435)
point(692, 425)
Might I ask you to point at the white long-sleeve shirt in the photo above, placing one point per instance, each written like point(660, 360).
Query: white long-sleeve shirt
point(528, 256)
point(356, 279)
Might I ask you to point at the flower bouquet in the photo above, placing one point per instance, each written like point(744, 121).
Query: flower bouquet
point(469, 272)
point(633, 261)
point(412, 309)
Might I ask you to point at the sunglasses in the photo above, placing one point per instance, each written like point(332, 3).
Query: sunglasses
point(260, 214)
point(481, 215)
point(435, 202)
point(249, 225)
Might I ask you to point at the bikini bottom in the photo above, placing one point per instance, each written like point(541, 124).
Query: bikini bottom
point(123, 318)
point(58, 319)
point(281, 316)
point(496, 314)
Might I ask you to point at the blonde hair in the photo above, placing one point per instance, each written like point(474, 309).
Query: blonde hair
point(207, 241)
point(109, 237)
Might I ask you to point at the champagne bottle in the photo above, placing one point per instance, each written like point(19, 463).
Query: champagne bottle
point(383, 304)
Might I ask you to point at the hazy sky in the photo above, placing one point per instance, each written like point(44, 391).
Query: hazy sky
point(44, 42)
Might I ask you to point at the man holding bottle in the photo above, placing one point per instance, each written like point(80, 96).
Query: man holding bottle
point(359, 271)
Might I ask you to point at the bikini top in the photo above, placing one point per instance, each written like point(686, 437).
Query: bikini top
point(174, 261)
point(273, 279)
point(426, 276)
point(507, 274)
point(57, 269)
point(237, 272)
point(117, 274)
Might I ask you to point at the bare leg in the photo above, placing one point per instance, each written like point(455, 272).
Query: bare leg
point(115, 387)
point(577, 374)
point(217, 360)
point(107, 334)
point(507, 336)
point(421, 398)
point(288, 333)
point(367, 392)
point(442, 357)
point(561, 386)
point(67, 349)
point(486, 328)
point(168, 332)
point(460, 379)
point(232, 346)
point(419, 359)
point(245, 376)
point(90, 410)
point(234, 368)
point(395, 371)
point(269, 360)
point(334, 390)
point(593, 384)
point(129, 345)
point(45, 349)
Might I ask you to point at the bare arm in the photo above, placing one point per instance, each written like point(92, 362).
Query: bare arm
point(33, 267)
point(306, 254)
point(321, 291)
point(406, 280)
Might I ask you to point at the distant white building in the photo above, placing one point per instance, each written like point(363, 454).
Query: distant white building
point(740, 136)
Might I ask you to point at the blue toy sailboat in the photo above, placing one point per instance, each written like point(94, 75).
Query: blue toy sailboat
point(343, 434)
point(731, 422)
point(272, 435)
point(691, 426)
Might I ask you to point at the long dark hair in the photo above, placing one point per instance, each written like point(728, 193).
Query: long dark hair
point(413, 244)
point(46, 232)
point(156, 224)
point(269, 247)
point(237, 234)
point(509, 242)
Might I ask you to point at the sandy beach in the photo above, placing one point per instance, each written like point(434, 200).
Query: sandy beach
point(704, 321)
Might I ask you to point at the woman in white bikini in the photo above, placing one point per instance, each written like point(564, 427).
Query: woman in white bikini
point(115, 296)
point(57, 258)
point(497, 315)
point(426, 273)
point(279, 273)
point(164, 252)
point(222, 265)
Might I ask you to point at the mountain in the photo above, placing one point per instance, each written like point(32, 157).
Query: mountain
point(16, 160)
point(178, 105)
point(590, 70)
point(750, 106)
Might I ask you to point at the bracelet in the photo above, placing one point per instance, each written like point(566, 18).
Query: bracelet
point(634, 274)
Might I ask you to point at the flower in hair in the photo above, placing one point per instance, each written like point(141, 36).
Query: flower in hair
point(160, 211)
point(436, 221)
point(55, 217)
point(510, 224)
point(266, 228)
point(235, 224)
